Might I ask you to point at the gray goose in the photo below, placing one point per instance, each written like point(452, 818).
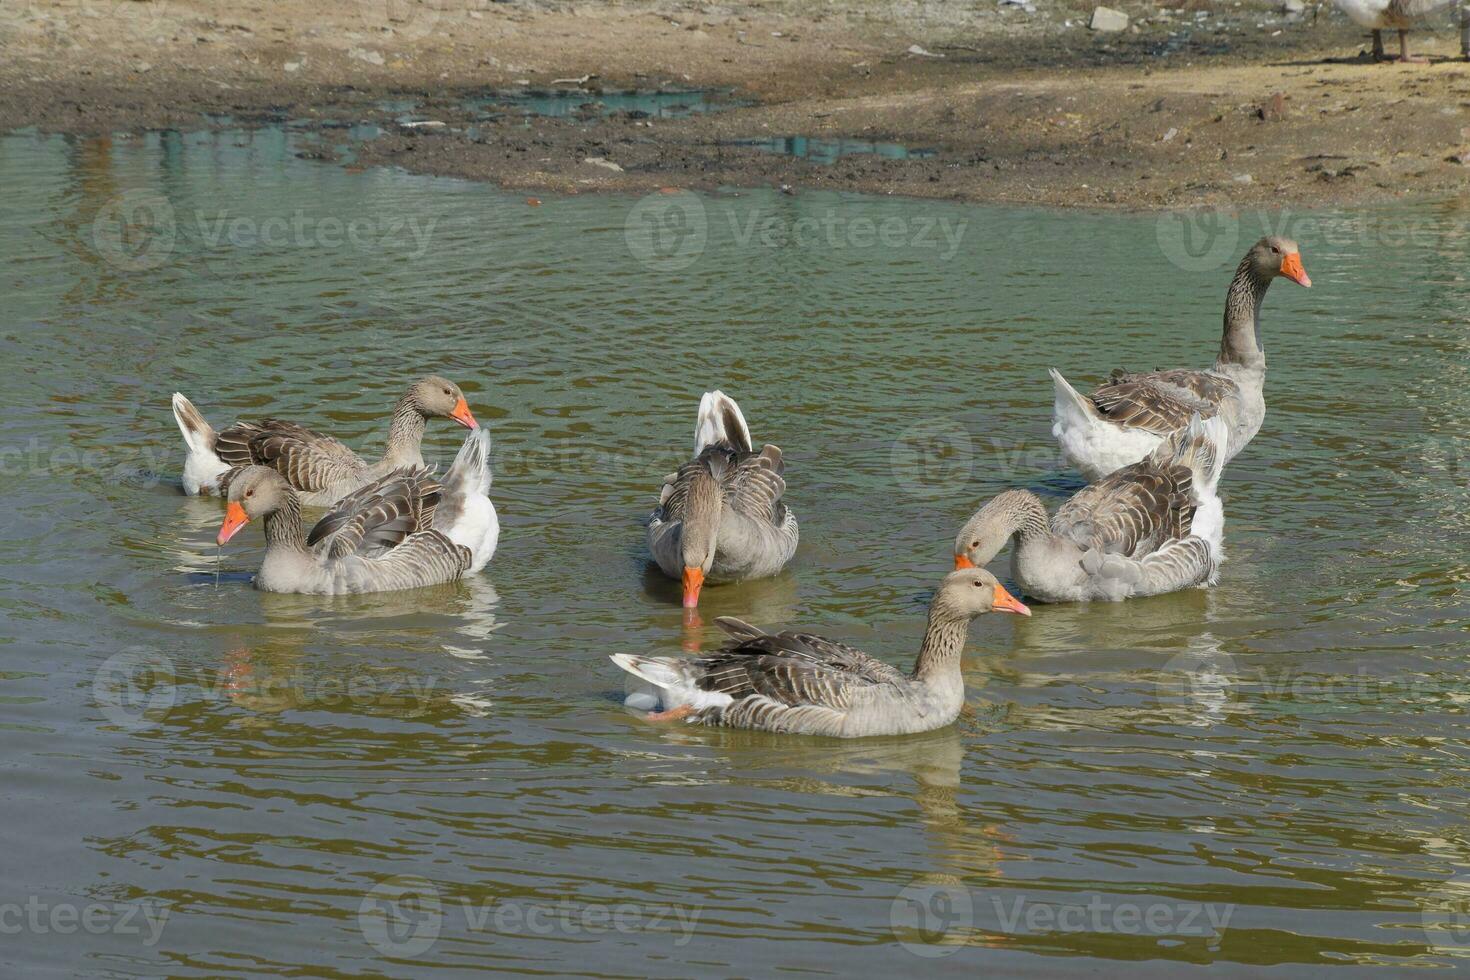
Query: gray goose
point(803, 684)
point(721, 518)
point(1152, 527)
point(319, 467)
point(402, 531)
point(1126, 419)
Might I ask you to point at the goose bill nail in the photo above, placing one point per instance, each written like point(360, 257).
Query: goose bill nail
point(1291, 267)
point(461, 414)
point(693, 579)
point(962, 562)
point(1005, 602)
point(235, 518)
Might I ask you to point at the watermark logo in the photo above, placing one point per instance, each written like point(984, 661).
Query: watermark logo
point(401, 916)
point(1445, 913)
point(930, 459)
point(1199, 241)
point(133, 684)
point(667, 232)
point(135, 231)
point(927, 919)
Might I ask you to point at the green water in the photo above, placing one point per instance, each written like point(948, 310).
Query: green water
point(1272, 773)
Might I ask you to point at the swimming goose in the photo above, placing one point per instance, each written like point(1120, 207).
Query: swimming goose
point(1398, 14)
point(402, 531)
point(1126, 419)
point(1152, 527)
point(322, 469)
point(720, 518)
point(807, 685)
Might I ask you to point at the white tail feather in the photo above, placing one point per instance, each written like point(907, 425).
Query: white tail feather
point(202, 467)
point(720, 420)
point(470, 472)
point(477, 526)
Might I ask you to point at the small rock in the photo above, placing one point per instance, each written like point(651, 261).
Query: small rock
point(914, 49)
point(534, 202)
point(1293, 7)
point(292, 66)
point(1243, 179)
point(142, 67)
point(1170, 134)
point(422, 124)
point(605, 163)
point(1462, 158)
point(1108, 20)
point(365, 54)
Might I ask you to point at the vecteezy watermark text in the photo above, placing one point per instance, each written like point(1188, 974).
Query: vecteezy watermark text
point(405, 915)
point(934, 920)
point(36, 916)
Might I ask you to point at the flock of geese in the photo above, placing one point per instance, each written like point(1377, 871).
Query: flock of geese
point(1150, 521)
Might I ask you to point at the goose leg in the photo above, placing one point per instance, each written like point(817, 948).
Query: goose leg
point(1377, 45)
point(1404, 57)
point(673, 714)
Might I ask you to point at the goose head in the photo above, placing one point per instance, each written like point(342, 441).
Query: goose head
point(972, 592)
point(990, 528)
point(436, 397)
point(256, 492)
point(1275, 256)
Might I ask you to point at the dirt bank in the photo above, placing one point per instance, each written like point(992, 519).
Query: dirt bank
point(1196, 104)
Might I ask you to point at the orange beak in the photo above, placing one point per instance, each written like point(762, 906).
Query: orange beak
point(693, 579)
point(962, 562)
point(461, 414)
point(1005, 602)
point(1291, 268)
point(235, 518)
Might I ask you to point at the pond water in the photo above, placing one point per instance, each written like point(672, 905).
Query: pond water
point(829, 151)
point(655, 103)
point(1269, 774)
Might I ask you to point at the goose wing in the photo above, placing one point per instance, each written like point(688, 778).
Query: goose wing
point(1161, 401)
point(308, 460)
point(1130, 512)
point(381, 516)
point(755, 485)
point(790, 668)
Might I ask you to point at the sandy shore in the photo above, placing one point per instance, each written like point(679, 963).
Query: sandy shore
point(1204, 104)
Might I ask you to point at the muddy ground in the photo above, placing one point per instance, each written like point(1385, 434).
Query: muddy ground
point(1203, 103)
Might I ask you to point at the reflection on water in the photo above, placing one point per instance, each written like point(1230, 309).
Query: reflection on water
point(1289, 745)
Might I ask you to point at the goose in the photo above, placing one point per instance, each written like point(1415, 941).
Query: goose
point(720, 518)
point(402, 531)
point(319, 467)
point(1398, 14)
point(1152, 527)
point(1126, 419)
point(803, 684)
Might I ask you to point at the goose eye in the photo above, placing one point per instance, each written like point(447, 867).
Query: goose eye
point(974, 544)
point(249, 493)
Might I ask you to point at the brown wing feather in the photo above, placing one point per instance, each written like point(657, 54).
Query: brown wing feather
point(307, 459)
point(1130, 512)
point(790, 668)
point(1161, 401)
point(381, 515)
point(754, 486)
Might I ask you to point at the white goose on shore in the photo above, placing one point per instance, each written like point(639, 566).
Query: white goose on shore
point(1400, 15)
